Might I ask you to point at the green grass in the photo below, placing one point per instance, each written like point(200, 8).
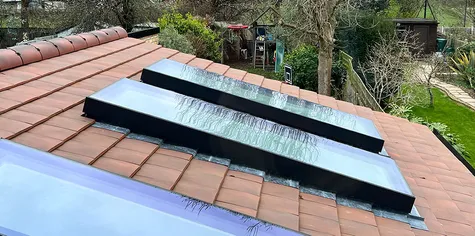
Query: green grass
point(458, 118)
point(258, 71)
point(449, 15)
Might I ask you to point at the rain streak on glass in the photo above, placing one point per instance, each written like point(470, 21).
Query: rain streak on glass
point(255, 132)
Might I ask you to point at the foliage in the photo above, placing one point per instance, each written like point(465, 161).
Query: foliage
point(466, 49)
point(357, 39)
point(170, 38)
point(92, 14)
point(458, 119)
point(405, 111)
point(206, 42)
point(221, 10)
point(464, 66)
point(403, 8)
point(304, 63)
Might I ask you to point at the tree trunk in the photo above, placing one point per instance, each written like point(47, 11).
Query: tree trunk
point(128, 18)
point(325, 68)
point(431, 96)
point(25, 22)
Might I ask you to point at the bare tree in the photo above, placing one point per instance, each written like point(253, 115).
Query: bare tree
point(429, 69)
point(317, 19)
point(89, 14)
point(220, 10)
point(390, 64)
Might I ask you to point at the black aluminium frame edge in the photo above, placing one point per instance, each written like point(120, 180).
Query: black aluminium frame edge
point(144, 33)
point(280, 116)
point(239, 154)
point(453, 151)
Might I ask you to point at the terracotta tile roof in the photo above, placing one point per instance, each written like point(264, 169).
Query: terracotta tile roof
point(42, 91)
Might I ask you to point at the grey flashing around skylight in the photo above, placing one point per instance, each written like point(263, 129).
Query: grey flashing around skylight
point(415, 214)
point(178, 148)
point(353, 203)
point(253, 142)
point(281, 181)
point(111, 127)
point(318, 192)
point(265, 103)
point(418, 224)
point(248, 170)
point(46, 191)
point(391, 215)
point(145, 138)
point(213, 159)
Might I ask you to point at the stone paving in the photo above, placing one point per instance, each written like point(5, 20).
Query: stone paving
point(455, 93)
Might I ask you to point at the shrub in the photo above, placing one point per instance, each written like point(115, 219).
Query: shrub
point(304, 63)
point(170, 38)
point(206, 42)
point(466, 49)
point(464, 66)
point(405, 111)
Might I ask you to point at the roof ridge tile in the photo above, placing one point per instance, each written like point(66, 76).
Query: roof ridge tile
point(37, 51)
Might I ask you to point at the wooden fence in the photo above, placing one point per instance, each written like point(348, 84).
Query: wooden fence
point(354, 90)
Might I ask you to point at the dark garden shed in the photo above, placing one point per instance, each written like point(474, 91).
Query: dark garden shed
point(426, 30)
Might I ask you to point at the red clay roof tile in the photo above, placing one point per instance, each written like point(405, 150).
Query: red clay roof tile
point(121, 32)
point(240, 209)
point(287, 220)
point(245, 176)
point(319, 225)
point(91, 39)
point(28, 53)
point(253, 79)
point(72, 156)
point(218, 68)
point(56, 88)
point(37, 141)
point(116, 166)
point(24, 116)
point(78, 42)
point(200, 63)
point(280, 191)
point(170, 162)
point(279, 204)
point(9, 59)
point(102, 36)
point(46, 49)
point(272, 84)
point(64, 46)
point(52, 132)
point(233, 73)
point(290, 90)
point(242, 185)
point(357, 215)
point(111, 33)
point(318, 199)
point(238, 198)
point(318, 209)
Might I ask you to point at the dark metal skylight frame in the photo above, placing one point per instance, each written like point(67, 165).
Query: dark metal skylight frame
point(16, 217)
point(265, 103)
point(252, 142)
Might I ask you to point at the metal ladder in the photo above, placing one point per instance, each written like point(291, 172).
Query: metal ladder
point(260, 53)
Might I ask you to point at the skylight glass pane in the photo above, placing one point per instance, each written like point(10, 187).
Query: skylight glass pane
point(261, 102)
point(47, 195)
point(223, 125)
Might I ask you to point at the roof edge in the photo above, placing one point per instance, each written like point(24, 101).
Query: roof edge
point(45, 49)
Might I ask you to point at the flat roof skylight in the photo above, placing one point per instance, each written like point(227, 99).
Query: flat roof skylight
point(265, 103)
point(43, 194)
point(253, 142)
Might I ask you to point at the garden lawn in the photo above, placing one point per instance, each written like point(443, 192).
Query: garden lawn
point(459, 119)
